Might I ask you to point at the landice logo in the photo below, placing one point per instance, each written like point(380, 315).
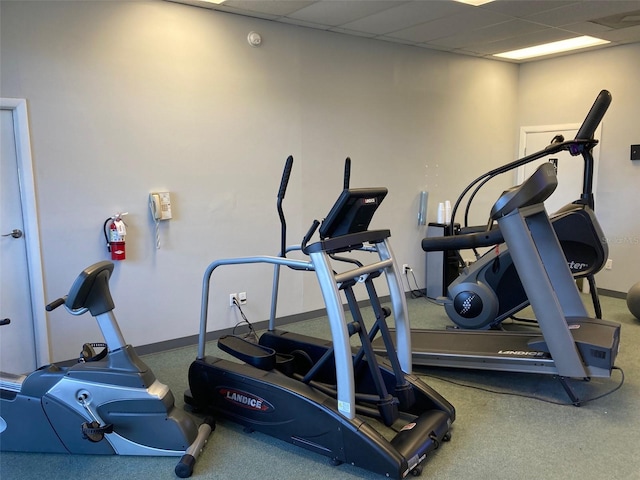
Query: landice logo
point(245, 400)
point(522, 353)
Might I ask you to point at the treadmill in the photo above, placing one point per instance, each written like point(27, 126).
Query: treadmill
point(569, 344)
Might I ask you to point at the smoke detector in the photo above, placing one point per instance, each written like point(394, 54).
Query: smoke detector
point(254, 39)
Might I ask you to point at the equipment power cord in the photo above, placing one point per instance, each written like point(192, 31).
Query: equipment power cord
point(252, 333)
point(532, 397)
point(415, 293)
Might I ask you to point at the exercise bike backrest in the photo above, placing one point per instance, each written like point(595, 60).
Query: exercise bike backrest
point(90, 292)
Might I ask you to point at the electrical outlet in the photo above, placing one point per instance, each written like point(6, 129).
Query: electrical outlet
point(406, 268)
point(242, 298)
point(232, 297)
point(609, 264)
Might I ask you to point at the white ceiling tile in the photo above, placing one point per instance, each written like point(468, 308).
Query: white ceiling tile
point(586, 28)
point(623, 35)
point(452, 24)
point(403, 16)
point(514, 43)
point(489, 34)
point(584, 11)
point(446, 24)
point(272, 7)
point(521, 9)
point(395, 40)
point(303, 23)
point(355, 33)
point(340, 12)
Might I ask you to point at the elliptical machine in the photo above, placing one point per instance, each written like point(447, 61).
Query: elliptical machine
point(343, 403)
point(109, 403)
point(490, 289)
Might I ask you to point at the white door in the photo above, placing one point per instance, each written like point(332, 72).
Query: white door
point(21, 339)
point(570, 169)
point(17, 342)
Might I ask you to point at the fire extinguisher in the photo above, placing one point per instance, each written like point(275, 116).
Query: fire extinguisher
point(115, 237)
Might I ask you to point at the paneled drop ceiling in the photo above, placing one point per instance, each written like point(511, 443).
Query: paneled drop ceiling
point(448, 25)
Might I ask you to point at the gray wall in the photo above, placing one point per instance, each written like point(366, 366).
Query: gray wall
point(131, 97)
point(559, 91)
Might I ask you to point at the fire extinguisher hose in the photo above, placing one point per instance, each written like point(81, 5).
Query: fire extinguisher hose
point(106, 237)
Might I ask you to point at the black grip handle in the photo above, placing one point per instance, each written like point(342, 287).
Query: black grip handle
point(487, 238)
point(347, 172)
point(285, 176)
point(309, 234)
point(55, 304)
point(594, 117)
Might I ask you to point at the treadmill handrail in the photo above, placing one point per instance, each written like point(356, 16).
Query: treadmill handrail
point(582, 144)
point(486, 238)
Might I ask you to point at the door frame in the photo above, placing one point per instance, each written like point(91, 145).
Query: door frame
point(18, 108)
point(552, 129)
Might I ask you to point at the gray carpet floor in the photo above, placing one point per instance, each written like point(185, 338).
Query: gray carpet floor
point(505, 427)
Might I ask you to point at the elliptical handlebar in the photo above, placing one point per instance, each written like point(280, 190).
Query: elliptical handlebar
point(586, 131)
point(308, 235)
point(582, 144)
point(285, 177)
point(288, 165)
point(594, 117)
point(347, 172)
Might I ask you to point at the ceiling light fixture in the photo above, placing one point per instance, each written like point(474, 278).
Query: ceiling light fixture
point(553, 47)
point(475, 3)
point(217, 2)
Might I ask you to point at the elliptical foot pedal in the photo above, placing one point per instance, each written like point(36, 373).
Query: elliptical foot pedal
point(256, 355)
point(285, 364)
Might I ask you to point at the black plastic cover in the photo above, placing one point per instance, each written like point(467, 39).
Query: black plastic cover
point(535, 189)
point(352, 212)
